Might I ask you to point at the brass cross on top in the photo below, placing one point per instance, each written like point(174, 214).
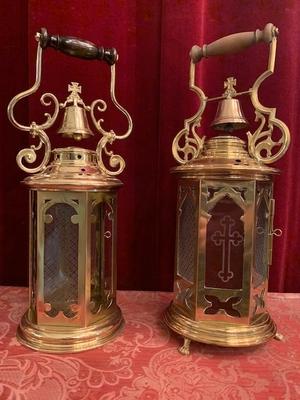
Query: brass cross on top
point(229, 86)
point(75, 89)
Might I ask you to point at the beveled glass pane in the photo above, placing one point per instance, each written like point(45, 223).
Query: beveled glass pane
point(225, 246)
point(60, 260)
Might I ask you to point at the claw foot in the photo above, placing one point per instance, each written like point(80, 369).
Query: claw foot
point(185, 349)
point(279, 336)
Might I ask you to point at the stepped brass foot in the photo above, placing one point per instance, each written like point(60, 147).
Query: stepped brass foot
point(185, 349)
point(279, 336)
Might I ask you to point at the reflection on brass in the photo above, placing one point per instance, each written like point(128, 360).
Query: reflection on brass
point(261, 140)
point(259, 331)
point(72, 225)
point(72, 259)
point(186, 147)
point(75, 124)
point(229, 116)
point(225, 212)
point(78, 128)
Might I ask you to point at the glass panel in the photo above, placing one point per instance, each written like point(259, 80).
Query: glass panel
point(61, 260)
point(33, 253)
point(96, 257)
point(225, 246)
point(187, 233)
point(101, 256)
point(261, 244)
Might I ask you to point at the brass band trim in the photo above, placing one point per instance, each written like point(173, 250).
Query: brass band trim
point(223, 334)
point(55, 339)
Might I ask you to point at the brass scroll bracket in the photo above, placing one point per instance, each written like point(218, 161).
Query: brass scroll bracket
point(34, 129)
point(108, 137)
point(82, 49)
point(187, 147)
point(261, 144)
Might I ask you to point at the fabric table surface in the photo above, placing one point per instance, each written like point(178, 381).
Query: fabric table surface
point(143, 362)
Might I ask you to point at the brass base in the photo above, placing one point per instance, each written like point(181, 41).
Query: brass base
point(54, 339)
point(219, 333)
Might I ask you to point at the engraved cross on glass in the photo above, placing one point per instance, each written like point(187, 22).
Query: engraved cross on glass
point(226, 239)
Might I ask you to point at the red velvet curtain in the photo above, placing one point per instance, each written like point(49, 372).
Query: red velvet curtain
point(153, 39)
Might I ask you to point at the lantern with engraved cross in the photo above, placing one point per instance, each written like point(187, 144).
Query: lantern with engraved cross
point(73, 200)
point(225, 211)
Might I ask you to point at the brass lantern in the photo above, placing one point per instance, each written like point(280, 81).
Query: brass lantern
point(73, 204)
point(225, 211)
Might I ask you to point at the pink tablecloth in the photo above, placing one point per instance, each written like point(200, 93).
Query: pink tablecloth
point(143, 363)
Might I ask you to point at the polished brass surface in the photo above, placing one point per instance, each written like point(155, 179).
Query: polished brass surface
point(260, 330)
point(262, 144)
point(229, 116)
point(72, 168)
point(35, 130)
point(56, 321)
point(72, 219)
point(225, 212)
point(225, 156)
point(108, 137)
point(224, 169)
point(245, 201)
point(66, 339)
point(187, 144)
point(75, 124)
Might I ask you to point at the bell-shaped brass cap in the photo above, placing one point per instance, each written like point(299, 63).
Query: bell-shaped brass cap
point(229, 116)
point(75, 124)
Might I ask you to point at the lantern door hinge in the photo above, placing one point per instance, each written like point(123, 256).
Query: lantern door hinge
point(272, 232)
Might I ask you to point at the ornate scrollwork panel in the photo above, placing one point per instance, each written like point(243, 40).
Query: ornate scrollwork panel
point(184, 294)
point(35, 130)
point(261, 143)
point(108, 137)
point(187, 145)
point(217, 193)
point(216, 305)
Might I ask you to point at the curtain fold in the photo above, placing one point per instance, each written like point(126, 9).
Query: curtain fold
point(13, 198)
point(153, 39)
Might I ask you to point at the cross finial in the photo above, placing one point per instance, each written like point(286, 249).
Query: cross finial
point(74, 87)
point(229, 86)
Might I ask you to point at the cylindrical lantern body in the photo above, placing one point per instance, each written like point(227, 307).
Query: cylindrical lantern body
point(72, 255)
point(225, 215)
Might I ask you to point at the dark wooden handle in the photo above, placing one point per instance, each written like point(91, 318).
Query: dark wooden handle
point(76, 47)
point(233, 43)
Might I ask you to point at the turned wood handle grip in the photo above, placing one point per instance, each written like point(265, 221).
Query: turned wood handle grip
point(233, 43)
point(77, 47)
